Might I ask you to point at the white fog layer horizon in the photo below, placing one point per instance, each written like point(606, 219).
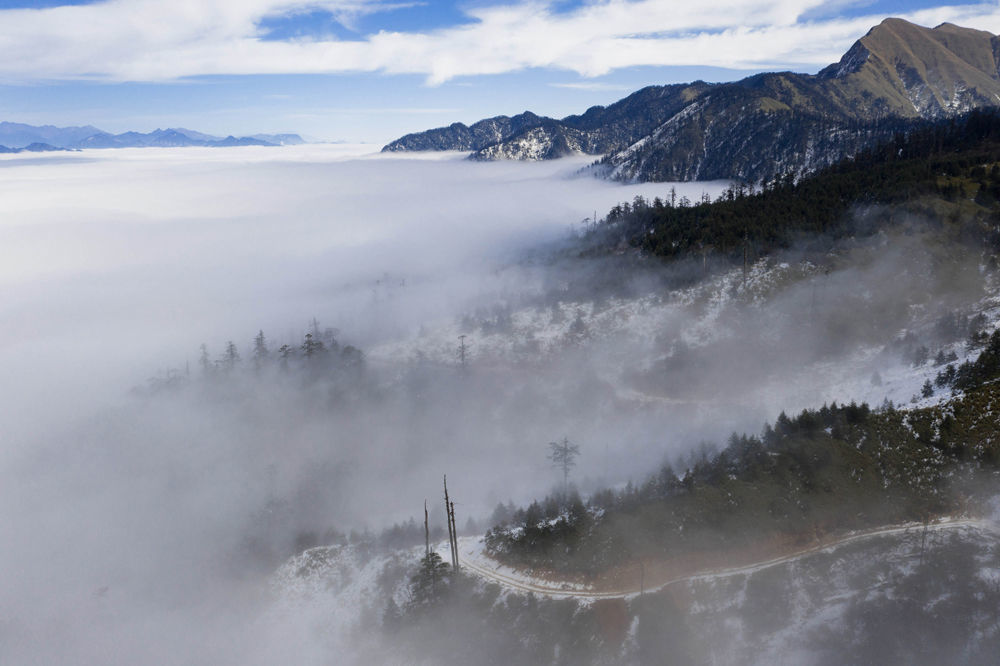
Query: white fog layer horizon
point(123, 513)
point(189, 246)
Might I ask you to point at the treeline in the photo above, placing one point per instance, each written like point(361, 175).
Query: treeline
point(318, 350)
point(396, 537)
point(951, 159)
point(319, 354)
point(975, 373)
point(829, 470)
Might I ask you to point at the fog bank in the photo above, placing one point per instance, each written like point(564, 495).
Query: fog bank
point(127, 517)
point(152, 490)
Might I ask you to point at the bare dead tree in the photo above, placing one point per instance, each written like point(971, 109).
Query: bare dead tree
point(454, 531)
point(448, 511)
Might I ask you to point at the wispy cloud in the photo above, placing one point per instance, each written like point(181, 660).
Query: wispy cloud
point(591, 85)
point(372, 110)
point(348, 13)
point(149, 40)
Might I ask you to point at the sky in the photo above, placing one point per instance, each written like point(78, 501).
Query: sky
point(371, 70)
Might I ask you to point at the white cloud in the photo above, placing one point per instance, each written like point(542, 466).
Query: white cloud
point(591, 86)
point(148, 40)
point(347, 110)
point(128, 521)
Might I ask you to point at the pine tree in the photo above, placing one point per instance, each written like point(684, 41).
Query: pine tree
point(203, 360)
point(285, 352)
point(231, 357)
point(312, 347)
point(260, 350)
point(429, 584)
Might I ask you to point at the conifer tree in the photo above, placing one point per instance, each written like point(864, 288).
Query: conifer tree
point(429, 584)
point(231, 357)
point(260, 350)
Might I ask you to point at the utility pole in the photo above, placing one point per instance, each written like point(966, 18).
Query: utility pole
point(427, 533)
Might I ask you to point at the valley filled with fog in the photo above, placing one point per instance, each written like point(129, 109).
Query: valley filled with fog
point(152, 488)
point(129, 513)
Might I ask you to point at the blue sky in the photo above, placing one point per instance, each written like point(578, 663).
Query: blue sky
point(370, 70)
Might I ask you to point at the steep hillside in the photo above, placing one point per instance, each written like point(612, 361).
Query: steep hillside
point(856, 530)
point(458, 136)
point(912, 71)
point(947, 170)
point(596, 131)
point(917, 596)
point(819, 474)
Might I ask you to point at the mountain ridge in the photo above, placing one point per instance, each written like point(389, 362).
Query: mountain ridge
point(16, 137)
point(769, 124)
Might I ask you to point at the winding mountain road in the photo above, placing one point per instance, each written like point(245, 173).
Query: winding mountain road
point(474, 560)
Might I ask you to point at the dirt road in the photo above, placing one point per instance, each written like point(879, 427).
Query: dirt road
point(473, 559)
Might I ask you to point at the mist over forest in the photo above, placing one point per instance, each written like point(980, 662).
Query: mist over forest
point(218, 359)
point(592, 364)
point(135, 507)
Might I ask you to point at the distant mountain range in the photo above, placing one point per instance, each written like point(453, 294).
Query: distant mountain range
point(18, 137)
point(896, 76)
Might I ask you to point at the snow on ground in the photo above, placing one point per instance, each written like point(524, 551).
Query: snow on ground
point(334, 588)
point(902, 383)
point(807, 596)
point(696, 316)
point(473, 558)
point(328, 594)
point(331, 597)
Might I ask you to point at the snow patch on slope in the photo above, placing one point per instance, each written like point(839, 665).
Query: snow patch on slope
point(630, 332)
point(330, 596)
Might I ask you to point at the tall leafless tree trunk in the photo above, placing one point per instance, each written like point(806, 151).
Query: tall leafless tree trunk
point(454, 542)
point(448, 512)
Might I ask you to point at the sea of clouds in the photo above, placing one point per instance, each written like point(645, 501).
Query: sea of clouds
point(122, 516)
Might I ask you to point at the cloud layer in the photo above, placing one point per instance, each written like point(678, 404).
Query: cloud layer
point(147, 40)
point(131, 522)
